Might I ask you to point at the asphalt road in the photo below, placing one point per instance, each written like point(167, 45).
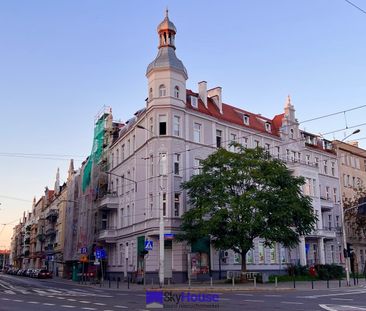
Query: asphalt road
point(19, 293)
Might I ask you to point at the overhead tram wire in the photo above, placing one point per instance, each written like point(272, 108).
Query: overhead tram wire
point(357, 7)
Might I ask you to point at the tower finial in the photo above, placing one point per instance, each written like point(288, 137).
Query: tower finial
point(288, 101)
point(166, 12)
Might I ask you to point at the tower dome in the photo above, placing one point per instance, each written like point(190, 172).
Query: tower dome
point(166, 58)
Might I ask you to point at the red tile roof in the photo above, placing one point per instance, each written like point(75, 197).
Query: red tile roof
point(235, 115)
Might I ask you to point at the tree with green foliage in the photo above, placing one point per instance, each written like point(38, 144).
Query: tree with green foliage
point(239, 196)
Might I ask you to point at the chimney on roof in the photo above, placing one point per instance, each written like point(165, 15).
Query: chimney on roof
point(353, 143)
point(202, 91)
point(216, 95)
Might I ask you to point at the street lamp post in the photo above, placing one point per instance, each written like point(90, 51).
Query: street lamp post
point(344, 237)
point(161, 219)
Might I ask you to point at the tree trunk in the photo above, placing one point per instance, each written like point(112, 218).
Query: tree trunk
point(243, 261)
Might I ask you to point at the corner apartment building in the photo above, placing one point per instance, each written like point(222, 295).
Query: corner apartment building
point(352, 168)
point(162, 146)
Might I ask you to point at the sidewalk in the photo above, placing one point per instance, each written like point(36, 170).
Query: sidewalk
point(221, 286)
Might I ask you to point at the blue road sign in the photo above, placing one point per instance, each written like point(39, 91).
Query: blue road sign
point(100, 253)
point(148, 245)
point(83, 250)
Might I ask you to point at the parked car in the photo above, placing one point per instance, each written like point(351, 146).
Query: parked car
point(35, 273)
point(28, 272)
point(44, 274)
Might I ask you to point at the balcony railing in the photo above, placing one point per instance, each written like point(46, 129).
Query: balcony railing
point(325, 232)
point(108, 235)
point(52, 215)
point(109, 201)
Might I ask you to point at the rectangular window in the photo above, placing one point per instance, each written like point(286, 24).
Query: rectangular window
point(232, 140)
point(176, 126)
point(273, 253)
point(164, 204)
point(163, 164)
point(327, 194)
point(151, 127)
point(246, 119)
point(250, 256)
point(287, 154)
point(128, 216)
point(112, 160)
point(162, 125)
point(316, 162)
point(151, 205)
point(176, 204)
point(151, 165)
point(261, 252)
point(196, 166)
point(176, 163)
point(256, 143)
point(329, 222)
point(194, 101)
point(308, 159)
point(129, 147)
point(237, 258)
point(123, 153)
point(333, 169)
point(123, 184)
point(245, 142)
point(197, 132)
point(337, 221)
point(133, 143)
point(278, 151)
point(314, 187)
point(218, 138)
point(344, 180)
point(325, 162)
point(335, 195)
point(266, 147)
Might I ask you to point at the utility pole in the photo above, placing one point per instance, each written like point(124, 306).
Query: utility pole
point(161, 213)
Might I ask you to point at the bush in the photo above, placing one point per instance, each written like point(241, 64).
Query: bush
point(329, 272)
point(297, 270)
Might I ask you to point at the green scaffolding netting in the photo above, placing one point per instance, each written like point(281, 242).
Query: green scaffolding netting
point(96, 153)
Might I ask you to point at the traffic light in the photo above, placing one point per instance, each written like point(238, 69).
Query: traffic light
point(349, 250)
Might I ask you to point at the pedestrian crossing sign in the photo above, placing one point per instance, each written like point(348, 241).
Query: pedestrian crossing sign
point(148, 245)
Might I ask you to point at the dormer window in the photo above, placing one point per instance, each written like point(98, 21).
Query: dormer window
point(162, 90)
point(176, 92)
point(194, 102)
point(246, 119)
point(268, 127)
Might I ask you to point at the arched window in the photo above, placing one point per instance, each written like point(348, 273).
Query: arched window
point(176, 92)
point(162, 90)
point(292, 133)
point(150, 94)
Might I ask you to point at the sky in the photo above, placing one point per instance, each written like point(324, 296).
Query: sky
point(62, 61)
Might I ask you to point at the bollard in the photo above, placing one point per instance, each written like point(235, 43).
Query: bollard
point(128, 282)
point(255, 281)
point(118, 282)
point(312, 284)
point(233, 281)
point(276, 281)
point(339, 282)
point(327, 283)
point(211, 281)
point(294, 282)
point(109, 282)
point(354, 280)
point(357, 278)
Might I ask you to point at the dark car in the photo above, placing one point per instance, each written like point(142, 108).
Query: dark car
point(44, 274)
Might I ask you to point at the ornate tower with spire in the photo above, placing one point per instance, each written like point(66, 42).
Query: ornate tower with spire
point(166, 74)
point(290, 126)
point(57, 182)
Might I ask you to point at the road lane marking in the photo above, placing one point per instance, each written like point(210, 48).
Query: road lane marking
point(48, 304)
point(332, 307)
point(292, 302)
point(338, 294)
point(84, 301)
point(70, 299)
point(122, 307)
point(272, 295)
point(33, 302)
point(86, 308)
point(5, 298)
point(18, 300)
point(253, 300)
point(67, 306)
point(10, 292)
point(347, 299)
point(99, 304)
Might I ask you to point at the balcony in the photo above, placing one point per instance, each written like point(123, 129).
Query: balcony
point(326, 204)
point(327, 233)
point(50, 231)
point(109, 201)
point(108, 235)
point(52, 215)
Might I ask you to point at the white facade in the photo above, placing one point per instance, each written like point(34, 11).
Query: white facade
point(161, 147)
